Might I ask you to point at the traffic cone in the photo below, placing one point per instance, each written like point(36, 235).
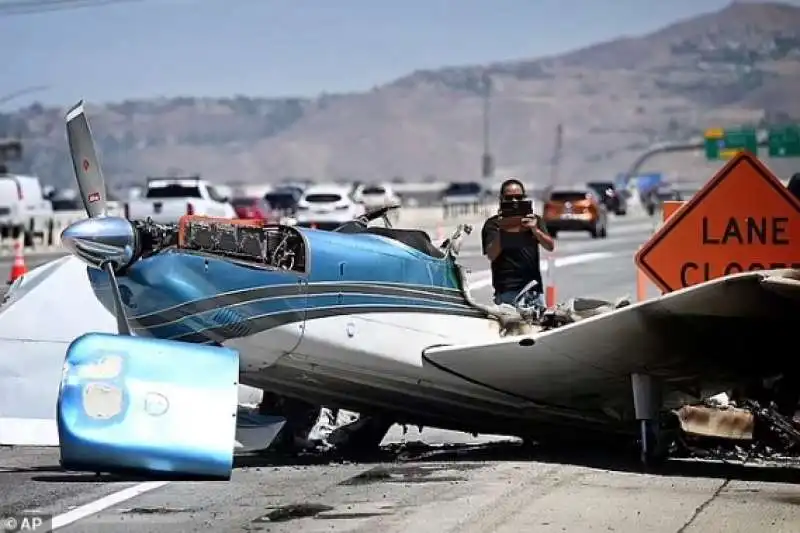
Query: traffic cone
point(18, 269)
point(641, 285)
point(550, 286)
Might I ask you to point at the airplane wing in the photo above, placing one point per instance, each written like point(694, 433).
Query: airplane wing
point(44, 312)
point(707, 337)
point(39, 318)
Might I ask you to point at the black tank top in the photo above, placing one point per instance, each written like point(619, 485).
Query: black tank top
point(518, 262)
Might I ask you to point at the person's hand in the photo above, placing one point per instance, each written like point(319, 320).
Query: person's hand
point(510, 223)
point(530, 221)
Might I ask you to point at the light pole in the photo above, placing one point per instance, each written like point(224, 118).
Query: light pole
point(487, 161)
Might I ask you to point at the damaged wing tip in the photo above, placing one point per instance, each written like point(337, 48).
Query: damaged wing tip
point(788, 277)
point(75, 112)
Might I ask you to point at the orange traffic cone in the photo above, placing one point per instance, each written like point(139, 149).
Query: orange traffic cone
point(18, 269)
point(550, 285)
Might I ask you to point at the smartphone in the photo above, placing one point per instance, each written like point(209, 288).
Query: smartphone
point(516, 208)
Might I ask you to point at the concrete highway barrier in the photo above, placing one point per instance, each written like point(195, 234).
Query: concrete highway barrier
point(432, 219)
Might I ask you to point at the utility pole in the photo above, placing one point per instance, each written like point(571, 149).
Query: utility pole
point(487, 161)
point(555, 160)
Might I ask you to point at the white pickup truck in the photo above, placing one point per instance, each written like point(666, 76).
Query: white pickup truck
point(168, 199)
point(23, 207)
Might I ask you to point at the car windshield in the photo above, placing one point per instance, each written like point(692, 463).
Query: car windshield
point(601, 186)
point(370, 191)
point(667, 194)
point(173, 191)
point(243, 202)
point(281, 200)
point(457, 189)
point(568, 196)
point(66, 205)
point(323, 198)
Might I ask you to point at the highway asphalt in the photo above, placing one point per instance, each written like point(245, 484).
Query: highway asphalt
point(480, 486)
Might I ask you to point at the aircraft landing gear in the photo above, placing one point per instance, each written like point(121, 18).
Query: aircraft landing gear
point(647, 405)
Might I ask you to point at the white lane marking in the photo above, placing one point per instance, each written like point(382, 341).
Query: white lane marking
point(91, 508)
point(559, 262)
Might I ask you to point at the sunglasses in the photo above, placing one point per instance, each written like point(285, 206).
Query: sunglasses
point(512, 197)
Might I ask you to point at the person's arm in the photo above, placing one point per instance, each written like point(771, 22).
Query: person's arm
point(539, 230)
point(491, 240)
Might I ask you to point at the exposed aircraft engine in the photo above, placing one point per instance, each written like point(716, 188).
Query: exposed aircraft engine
point(245, 240)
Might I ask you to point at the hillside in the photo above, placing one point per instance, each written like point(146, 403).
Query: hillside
point(738, 65)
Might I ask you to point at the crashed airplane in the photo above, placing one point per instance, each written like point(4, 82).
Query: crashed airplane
point(377, 320)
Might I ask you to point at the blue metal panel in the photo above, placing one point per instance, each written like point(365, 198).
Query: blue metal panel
point(173, 283)
point(374, 258)
point(131, 404)
point(194, 298)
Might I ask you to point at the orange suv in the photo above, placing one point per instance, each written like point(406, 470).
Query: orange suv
point(575, 210)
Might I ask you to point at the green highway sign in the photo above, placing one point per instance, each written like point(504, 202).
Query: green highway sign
point(724, 144)
point(784, 141)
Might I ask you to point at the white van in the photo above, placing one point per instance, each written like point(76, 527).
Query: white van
point(23, 207)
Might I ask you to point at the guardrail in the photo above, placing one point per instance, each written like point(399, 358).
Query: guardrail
point(50, 240)
point(428, 218)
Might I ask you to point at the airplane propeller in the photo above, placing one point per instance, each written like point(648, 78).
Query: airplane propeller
point(84, 160)
point(107, 243)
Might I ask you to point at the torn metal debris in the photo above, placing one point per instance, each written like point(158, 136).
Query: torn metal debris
point(722, 430)
point(727, 423)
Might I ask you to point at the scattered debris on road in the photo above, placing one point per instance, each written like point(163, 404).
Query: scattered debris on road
point(720, 429)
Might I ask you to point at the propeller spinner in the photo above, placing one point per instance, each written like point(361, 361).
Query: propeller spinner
point(103, 242)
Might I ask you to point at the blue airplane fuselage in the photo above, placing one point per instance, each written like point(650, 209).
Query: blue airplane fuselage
point(201, 298)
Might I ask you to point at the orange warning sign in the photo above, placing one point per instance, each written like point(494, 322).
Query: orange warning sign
point(743, 219)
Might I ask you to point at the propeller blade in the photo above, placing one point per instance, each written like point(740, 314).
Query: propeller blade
point(91, 184)
point(119, 311)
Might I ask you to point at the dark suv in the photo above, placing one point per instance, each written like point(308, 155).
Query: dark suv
point(615, 201)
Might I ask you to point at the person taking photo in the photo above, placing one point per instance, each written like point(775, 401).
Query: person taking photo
point(511, 243)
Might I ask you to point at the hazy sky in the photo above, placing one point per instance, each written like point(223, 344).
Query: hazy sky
point(294, 47)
